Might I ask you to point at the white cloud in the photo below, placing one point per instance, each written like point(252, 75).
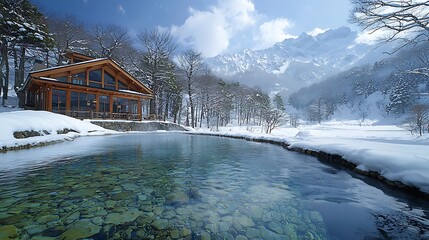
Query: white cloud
point(121, 9)
point(272, 32)
point(317, 31)
point(210, 31)
point(237, 12)
point(370, 37)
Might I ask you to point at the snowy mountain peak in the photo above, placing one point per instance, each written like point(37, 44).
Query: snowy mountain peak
point(339, 33)
point(298, 62)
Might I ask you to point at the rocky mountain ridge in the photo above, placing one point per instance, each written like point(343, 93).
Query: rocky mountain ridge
point(296, 63)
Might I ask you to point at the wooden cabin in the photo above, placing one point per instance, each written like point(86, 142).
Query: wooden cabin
point(86, 88)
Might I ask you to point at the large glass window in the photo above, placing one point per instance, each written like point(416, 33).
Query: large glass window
point(95, 75)
point(58, 100)
point(87, 102)
point(118, 105)
point(133, 106)
point(109, 81)
point(104, 105)
point(124, 105)
point(62, 79)
point(74, 101)
point(95, 78)
point(79, 78)
point(122, 86)
point(83, 101)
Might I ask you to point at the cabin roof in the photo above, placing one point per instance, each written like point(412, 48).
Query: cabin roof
point(76, 55)
point(89, 63)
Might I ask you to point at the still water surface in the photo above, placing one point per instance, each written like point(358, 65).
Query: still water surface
point(177, 186)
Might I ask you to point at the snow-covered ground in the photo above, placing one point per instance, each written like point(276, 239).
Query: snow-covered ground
point(388, 149)
point(45, 123)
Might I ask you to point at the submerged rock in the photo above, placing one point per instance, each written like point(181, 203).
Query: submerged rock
point(160, 224)
point(253, 233)
point(8, 232)
point(80, 229)
point(185, 232)
point(86, 192)
point(122, 195)
point(122, 217)
point(240, 237)
point(47, 218)
point(267, 234)
point(177, 198)
point(276, 227)
point(245, 221)
point(175, 234)
point(12, 219)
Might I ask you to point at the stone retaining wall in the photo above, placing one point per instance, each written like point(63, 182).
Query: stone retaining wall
point(124, 126)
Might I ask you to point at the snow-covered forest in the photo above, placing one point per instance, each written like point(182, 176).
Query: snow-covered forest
point(186, 91)
point(389, 89)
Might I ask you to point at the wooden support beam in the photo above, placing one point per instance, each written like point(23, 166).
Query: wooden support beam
point(139, 108)
point(49, 98)
point(102, 77)
point(68, 100)
point(111, 106)
point(87, 76)
point(97, 102)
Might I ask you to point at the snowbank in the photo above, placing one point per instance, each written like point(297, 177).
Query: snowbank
point(48, 125)
point(390, 151)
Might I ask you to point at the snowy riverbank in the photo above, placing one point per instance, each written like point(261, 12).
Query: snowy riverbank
point(43, 127)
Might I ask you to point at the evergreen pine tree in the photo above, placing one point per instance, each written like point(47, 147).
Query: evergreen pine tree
point(400, 97)
point(21, 27)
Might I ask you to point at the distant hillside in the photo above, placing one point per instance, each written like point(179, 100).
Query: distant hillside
point(384, 88)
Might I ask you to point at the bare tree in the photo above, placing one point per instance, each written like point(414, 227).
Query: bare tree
point(156, 64)
point(109, 38)
point(419, 119)
point(68, 33)
point(274, 118)
point(318, 110)
point(294, 120)
point(191, 63)
point(404, 19)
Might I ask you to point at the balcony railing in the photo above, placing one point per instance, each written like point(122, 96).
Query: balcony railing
point(100, 115)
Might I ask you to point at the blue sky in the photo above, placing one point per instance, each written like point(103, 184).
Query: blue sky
point(211, 26)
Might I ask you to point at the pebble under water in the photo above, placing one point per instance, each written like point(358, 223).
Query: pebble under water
point(179, 186)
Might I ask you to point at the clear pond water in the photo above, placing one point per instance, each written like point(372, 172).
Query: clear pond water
point(178, 186)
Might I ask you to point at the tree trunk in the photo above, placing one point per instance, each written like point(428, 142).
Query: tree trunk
point(160, 104)
point(47, 58)
point(21, 70)
point(152, 102)
point(2, 63)
point(187, 115)
point(167, 101)
point(202, 114)
point(191, 104)
point(16, 66)
point(6, 80)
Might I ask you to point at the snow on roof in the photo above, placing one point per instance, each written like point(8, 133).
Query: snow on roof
point(49, 79)
point(134, 92)
point(68, 65)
